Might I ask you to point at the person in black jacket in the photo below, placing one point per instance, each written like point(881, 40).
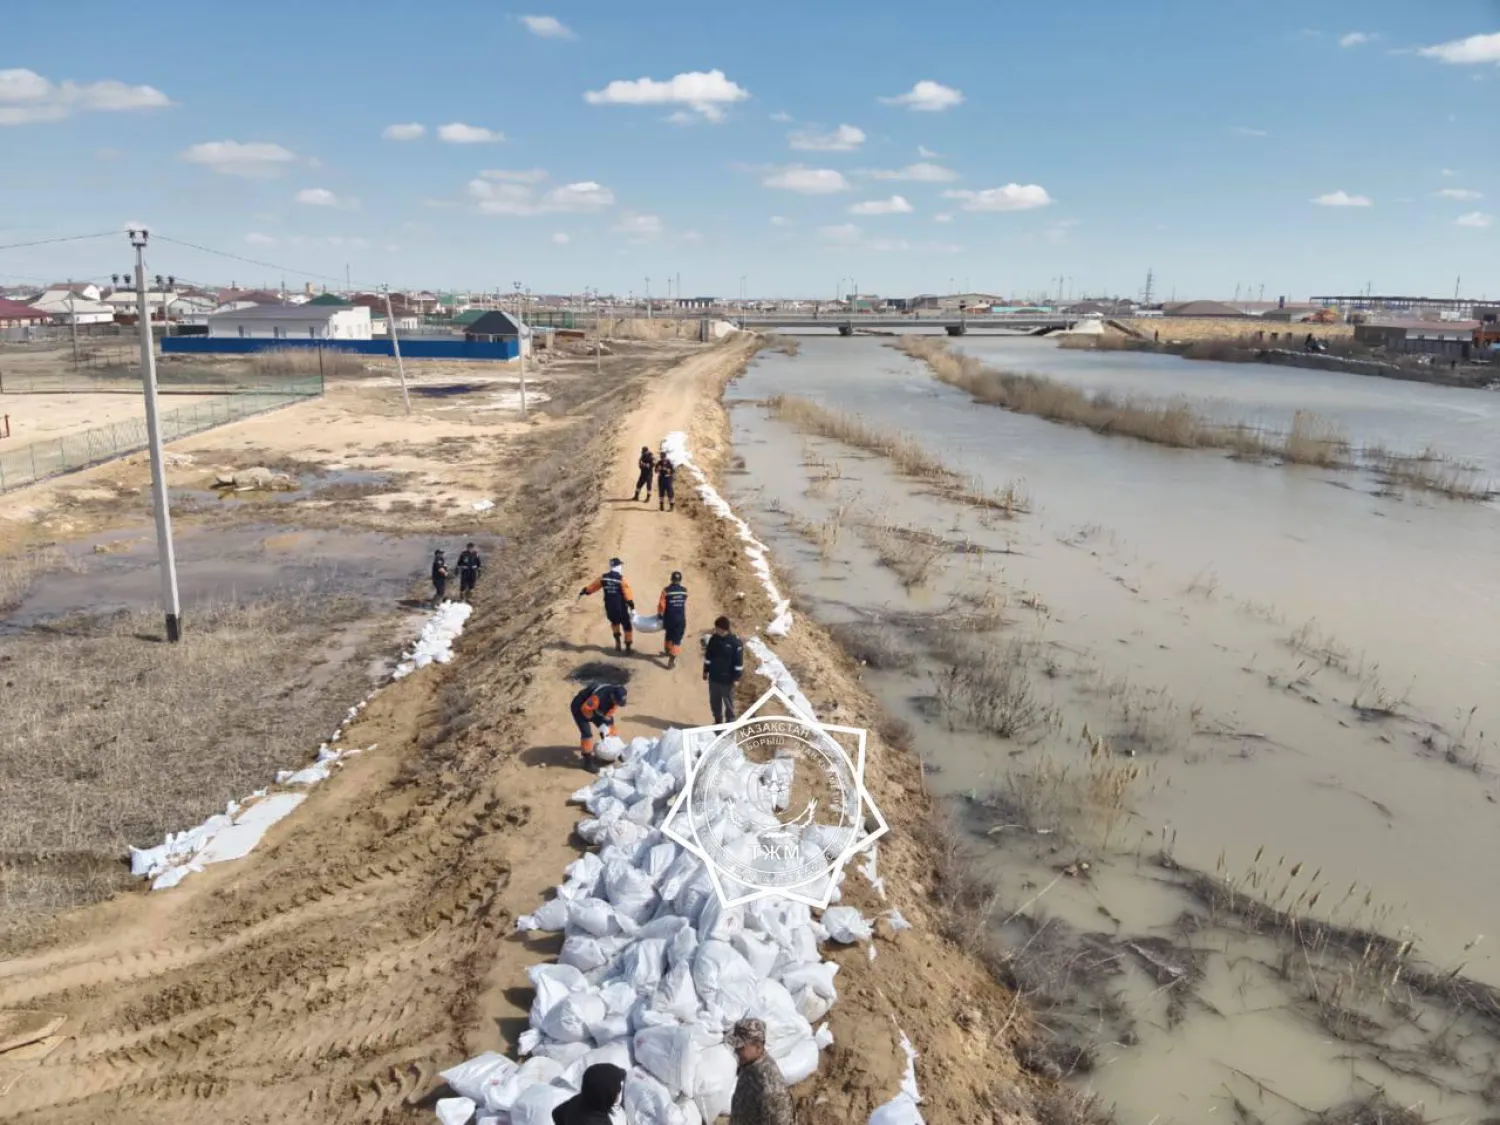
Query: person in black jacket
point(666, 499)
point(600, 1092)
point(672, 606)
point(723, 665)
point(647, 462)
point(439, 577)
point(469, 566)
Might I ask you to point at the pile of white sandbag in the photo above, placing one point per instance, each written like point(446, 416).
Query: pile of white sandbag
point(655, 969)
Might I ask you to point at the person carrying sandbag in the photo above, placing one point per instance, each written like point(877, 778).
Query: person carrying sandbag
point(671, 607)
point(600, 1093)
point(619, 602)
point(596, 706)
point(760, 1093)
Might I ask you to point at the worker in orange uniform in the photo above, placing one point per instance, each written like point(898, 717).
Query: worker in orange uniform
point(672, 606)
point(596, 706)
point(619, 602)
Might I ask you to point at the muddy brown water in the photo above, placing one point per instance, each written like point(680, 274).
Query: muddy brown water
point(1236, 634)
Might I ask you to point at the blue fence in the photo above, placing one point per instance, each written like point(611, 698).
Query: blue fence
point(414, 348)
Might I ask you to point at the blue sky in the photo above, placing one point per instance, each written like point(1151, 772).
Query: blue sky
point(773, 142)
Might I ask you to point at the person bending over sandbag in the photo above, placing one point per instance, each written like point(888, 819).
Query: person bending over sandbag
point(596, 706)
point(602, 1084)
point(619, 602)
point(671, 607)
point(760, 1094)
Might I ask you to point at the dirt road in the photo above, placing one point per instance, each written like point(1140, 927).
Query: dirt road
point(370, 941)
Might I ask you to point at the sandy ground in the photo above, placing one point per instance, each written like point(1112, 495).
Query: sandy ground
point(36, 417)
point(370, 941)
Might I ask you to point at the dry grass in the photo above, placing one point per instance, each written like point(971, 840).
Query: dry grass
point(111, 739)
point(874, 644)
point(914, 555)
point(306, 363)
point(1428, 471)
point(987, 685)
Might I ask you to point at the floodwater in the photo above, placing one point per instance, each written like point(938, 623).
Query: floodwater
point(1282, 666)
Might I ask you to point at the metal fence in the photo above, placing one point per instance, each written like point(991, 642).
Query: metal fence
point(49, 457)
point(92, 377)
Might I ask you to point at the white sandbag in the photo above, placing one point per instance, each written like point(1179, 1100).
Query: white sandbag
point(845, 925)
point(900, 1111)
point(812, 1006)
point(569, 1020)
point(670, 1055)
point(630, 891)
point(689, 1110)
point(472, 1078)
point(676, 995)
point(610, 749)
point(659, 859)
point(799, 1063)
point(592, 916)
point(639, 748)
point(648, 1102)
point(823, 1037)
point(618, 996)
point(643, 963)
point(500, 1097)
point(724, 980)
point(654, 783)
point(713, 1081)
point(529, 1041)
point(685, 868)
point(551, 916)
point(624, 833)
point(585, 870)
point(565, 1054)
point(785, 1025)
point(455, 1111)
point(757, 949)
point(536, 1103)
point(682, 948)
point(616, 1054)
point(641, 811)
point(611, 1028)
point(647, 623)
point(666, 927)
point(586, 953)
point(817, 977)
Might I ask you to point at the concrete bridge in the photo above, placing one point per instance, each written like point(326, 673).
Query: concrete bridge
point(954, 325)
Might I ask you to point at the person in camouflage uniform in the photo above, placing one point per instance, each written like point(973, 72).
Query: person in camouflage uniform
point(760, 1094)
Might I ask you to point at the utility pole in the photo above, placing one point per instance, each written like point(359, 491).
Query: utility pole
point(73, 320)
point(648, 298)
point(1150, 283)
point(390, 326)
point(598, 330)
point(170, 605)
point(521, 341)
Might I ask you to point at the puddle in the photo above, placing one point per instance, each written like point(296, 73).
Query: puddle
point(1209, 862)
point(310, 488)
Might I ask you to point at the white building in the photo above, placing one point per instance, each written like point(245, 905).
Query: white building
point(69, 306)
point(293, 322)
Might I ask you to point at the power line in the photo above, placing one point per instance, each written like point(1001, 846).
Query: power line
point(247, 261)
point(66, 238)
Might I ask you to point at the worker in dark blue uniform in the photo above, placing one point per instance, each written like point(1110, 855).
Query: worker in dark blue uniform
point(665, 497)
point(469, 566)
point(619, 602)
point(723, 665)
point(672, 606)
point(596, 706)
point(647, 463)
point(439, 576)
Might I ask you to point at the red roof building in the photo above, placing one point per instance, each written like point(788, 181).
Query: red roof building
point(13, 314)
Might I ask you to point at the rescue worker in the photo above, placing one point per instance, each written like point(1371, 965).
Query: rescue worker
point(647, 462)
point(439, 576)
point(597, 1097)
point(619, 602)
point(760, 1093)
point(596, 706)
point(723, 665)
point(469, 566)
point(672, 606)
point(666, 500)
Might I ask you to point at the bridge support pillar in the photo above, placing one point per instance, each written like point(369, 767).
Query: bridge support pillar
point(957, 330)
point(846, 330)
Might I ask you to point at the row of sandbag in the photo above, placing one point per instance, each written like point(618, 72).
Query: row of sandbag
point(654, 970)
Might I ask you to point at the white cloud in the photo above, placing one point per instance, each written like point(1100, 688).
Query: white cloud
point(560, 238)
point(807, 181)
point(322, 197)
point(1449, 173)
point(921, 173)
point(548, 27)
point(1475, 219)
point(639, 226)
point(1011, 197)
point(1458, 193)
point(895, 205)
point(349, 243)
point(943, 217)
point(507, 197)
point(780, 221)
point(27, 98)
point(255, 238)
point(846, 138)
point(1058, 231)
point(704, 92)
point(1355, 39)
point(525, 176)
point(408, 132)
point(252, 160)
point(781, 117)
point(1343, 199)
point(927, 154)
point(1465, 52)
point(458, 133)
point(928, 97)
point(1246, 131)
